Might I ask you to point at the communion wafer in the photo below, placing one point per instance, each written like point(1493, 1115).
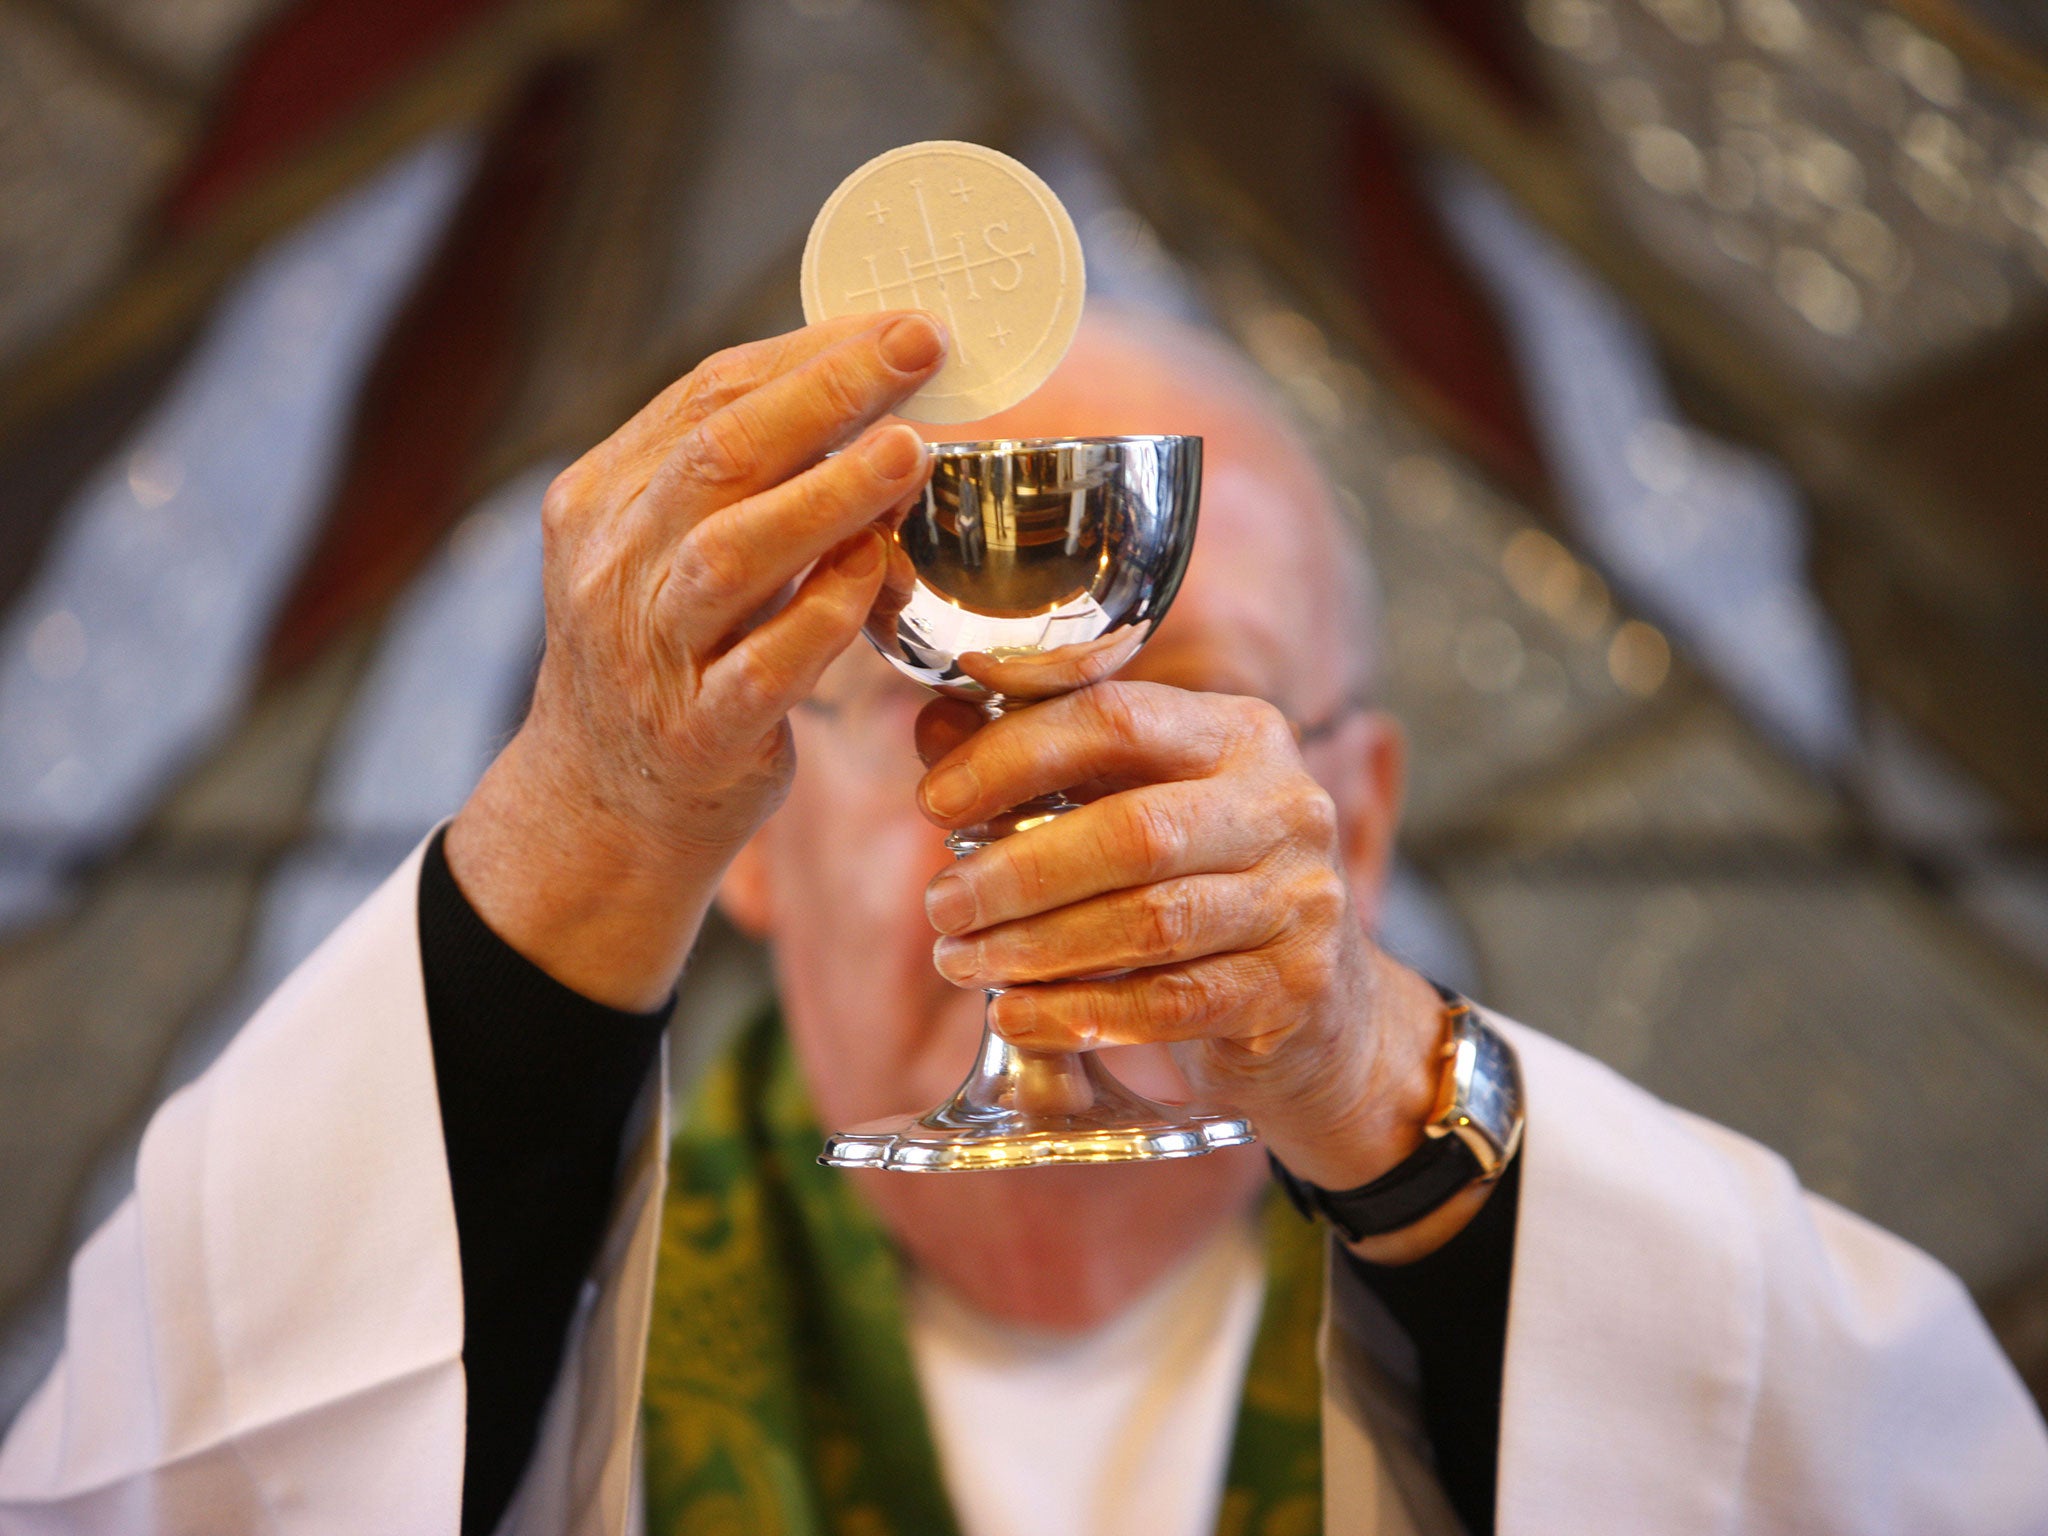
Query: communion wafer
point(970, 235)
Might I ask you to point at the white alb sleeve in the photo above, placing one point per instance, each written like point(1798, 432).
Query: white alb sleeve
point(1696, 1343)
point(267, 1335)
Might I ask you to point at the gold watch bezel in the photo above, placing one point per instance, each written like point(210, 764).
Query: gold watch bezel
point(1479, 1096)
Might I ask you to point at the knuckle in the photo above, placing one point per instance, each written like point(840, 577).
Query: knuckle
point(1179, 999)
point(1153, 839)
point(1313, 956)
point(1261, 722)
point(1321, 899)
point(721, 370)
point(1118, 709)
point(708, 563)
point(562, 503)
point(1312, 814)
point(715, 382)
point(841, 387)
point(1165, 922)
point(593, 588)
point(1311, 972)
point(723, 448)
point(751, 687)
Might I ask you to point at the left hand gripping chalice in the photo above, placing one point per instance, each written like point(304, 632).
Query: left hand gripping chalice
point(1029, 569)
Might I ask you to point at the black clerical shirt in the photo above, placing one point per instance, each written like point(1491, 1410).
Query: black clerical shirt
point(536, 1084)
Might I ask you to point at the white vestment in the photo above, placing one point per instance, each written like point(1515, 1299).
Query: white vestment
point(267, 1335)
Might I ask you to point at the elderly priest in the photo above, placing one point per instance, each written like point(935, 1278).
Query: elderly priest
point(403, 1260)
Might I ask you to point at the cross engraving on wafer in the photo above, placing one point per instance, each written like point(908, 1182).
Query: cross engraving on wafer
point(940, 265)
point(937, 265)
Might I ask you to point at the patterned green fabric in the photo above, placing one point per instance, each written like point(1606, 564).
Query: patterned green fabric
point(781, 1399)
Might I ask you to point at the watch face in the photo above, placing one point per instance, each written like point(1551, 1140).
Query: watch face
point(1491, 1093)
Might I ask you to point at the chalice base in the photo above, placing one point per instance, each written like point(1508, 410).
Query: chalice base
point(1028, 1109)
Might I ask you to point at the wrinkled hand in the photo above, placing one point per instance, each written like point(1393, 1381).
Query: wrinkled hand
point(657, 741)
point(1210, 881)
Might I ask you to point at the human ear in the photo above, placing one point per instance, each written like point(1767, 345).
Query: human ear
point(744, 893)
point(1372, 767)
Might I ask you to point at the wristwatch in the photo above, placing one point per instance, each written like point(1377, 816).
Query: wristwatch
point(1472, 1133)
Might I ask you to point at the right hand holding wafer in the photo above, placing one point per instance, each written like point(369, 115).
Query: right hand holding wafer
point(657, 741)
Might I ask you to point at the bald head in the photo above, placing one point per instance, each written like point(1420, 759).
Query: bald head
point(1269, 520)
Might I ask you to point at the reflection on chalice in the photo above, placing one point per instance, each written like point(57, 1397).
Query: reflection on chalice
point(1030, 569)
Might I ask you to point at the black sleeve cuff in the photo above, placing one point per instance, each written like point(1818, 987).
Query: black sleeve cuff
point(536, 1083)
point(1453, 1305)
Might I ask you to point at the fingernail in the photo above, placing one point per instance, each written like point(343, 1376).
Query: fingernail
point(1017, 1018)
point(949, 903)
point(1011, 1015)
point(912, 344)
point(957, 959)
point(864, 558)
point(894, 453)
point(951, 790)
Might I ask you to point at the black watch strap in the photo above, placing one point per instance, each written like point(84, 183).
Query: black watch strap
point(1400, 1197)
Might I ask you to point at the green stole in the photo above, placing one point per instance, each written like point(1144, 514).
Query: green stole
point(780, 1397)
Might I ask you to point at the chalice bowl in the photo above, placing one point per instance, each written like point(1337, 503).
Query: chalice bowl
point(1029, 569)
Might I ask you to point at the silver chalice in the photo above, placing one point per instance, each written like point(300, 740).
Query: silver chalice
point(1033, 568)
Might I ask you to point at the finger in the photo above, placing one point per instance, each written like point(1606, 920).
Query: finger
point(767, 434)
point(775, 667)
point(733, 562)
point(1134, 838)
point(1145, 731)
point(725, 376)
point(1165, 923)
point(943, 724)
point(1062, 669)
point(1204, 999)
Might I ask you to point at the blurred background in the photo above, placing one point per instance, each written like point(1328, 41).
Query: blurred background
point(1684, 364)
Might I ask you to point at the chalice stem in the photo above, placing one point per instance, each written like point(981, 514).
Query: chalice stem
point(1008, 1079)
